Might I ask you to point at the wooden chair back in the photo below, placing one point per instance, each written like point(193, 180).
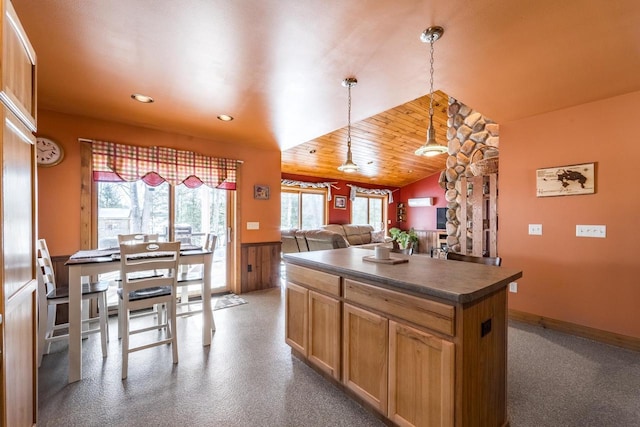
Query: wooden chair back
point(486, 260)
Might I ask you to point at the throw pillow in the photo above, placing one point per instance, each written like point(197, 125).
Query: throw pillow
point(377, 236)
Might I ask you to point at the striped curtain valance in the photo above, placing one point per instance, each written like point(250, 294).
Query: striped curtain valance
point(113, 162)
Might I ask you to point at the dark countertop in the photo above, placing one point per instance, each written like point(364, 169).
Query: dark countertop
point(455, 281)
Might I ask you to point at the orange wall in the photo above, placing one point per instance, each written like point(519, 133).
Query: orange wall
point(588, 281)
point(59, 186)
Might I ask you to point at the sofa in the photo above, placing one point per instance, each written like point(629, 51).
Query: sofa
point(332, 236)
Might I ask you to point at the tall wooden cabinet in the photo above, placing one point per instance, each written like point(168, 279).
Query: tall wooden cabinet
point(18, 293)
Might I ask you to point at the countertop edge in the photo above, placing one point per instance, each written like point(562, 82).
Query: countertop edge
point(400, 285)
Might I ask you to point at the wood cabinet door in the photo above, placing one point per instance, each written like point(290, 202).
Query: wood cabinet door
point(421, 378)
point(365, 350)
point(18, 90)
point(296, 317)
point(324, 333)
point(18, 302)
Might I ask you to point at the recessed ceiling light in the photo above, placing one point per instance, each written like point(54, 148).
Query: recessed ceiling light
point(225, 118)
point(142, 98)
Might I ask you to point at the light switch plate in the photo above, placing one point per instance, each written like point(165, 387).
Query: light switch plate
point(535, 229)
point(253, 226)
point(513, 287)
point(591, 231)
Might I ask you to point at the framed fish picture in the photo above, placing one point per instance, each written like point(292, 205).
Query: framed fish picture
point(566, 180)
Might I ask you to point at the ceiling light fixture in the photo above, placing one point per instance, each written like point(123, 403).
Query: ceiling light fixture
point(142, 98)
point(225, 117)
point(431, 148)
point(348, 165)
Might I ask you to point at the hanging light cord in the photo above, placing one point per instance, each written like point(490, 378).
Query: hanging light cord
point(431, 80)
point(349, 120)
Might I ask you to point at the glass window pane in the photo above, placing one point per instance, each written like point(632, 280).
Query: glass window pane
point(131, 207)
point(200, 211)
point(375, 213)
point(312, 210)
point(289, 210)
point(360, 211)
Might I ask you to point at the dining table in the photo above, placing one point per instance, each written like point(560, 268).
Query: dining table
point(90, 263)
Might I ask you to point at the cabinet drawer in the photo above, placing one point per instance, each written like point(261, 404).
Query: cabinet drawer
point(314, 279)
point(430, 314)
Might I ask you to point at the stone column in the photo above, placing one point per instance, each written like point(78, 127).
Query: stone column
point(467, 132)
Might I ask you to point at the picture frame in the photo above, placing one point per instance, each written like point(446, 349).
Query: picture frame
point(567, 180)
point(340, 202)
point(261, 192)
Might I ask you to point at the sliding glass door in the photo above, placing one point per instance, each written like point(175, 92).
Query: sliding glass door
point(199, 211)
point(174, 213)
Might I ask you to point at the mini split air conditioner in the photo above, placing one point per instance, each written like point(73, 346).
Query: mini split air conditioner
point(420, 202)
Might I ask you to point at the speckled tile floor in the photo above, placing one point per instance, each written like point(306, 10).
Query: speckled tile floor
point(249, 378)
point(246, 378)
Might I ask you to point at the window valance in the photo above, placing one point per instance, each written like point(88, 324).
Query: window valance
point(303, 184)
point(378, 191)
point(154, 165)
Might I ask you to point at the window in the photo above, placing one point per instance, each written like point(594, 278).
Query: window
point(369, 210)
point(131, 207)
point(155, 190)
point(302, 209)
point(135, 207)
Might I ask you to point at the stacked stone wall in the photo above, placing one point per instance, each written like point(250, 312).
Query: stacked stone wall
point(471, 137)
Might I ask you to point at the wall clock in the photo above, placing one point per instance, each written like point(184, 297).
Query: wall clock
point(49, 152)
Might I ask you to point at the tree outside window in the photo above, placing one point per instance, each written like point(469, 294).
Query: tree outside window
point(369, 210)
point(302, 209)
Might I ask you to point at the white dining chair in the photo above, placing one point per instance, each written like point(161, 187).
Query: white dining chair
point(136, 238)
point(149, 276)
point(51, 294)
point(189, 278)
point(130, 239)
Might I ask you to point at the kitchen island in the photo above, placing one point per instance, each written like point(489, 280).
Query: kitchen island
point(422, 342)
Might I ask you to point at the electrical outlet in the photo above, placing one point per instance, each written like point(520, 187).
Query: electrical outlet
point(485, 328)
point(513, 287)
point(591, 231)
point(535, 229)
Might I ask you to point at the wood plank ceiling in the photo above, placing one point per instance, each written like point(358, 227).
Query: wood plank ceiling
point(382, 145)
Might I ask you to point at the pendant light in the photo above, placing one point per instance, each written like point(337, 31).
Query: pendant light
point(431, 148)
point(348, 165)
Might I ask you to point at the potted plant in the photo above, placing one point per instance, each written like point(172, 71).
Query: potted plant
point(406, 240)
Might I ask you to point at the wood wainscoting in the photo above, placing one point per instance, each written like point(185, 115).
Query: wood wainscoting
point(612, 338)
point(260, 266)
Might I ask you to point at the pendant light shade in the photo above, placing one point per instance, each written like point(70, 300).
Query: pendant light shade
point(348, 165)
point(431, 148)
